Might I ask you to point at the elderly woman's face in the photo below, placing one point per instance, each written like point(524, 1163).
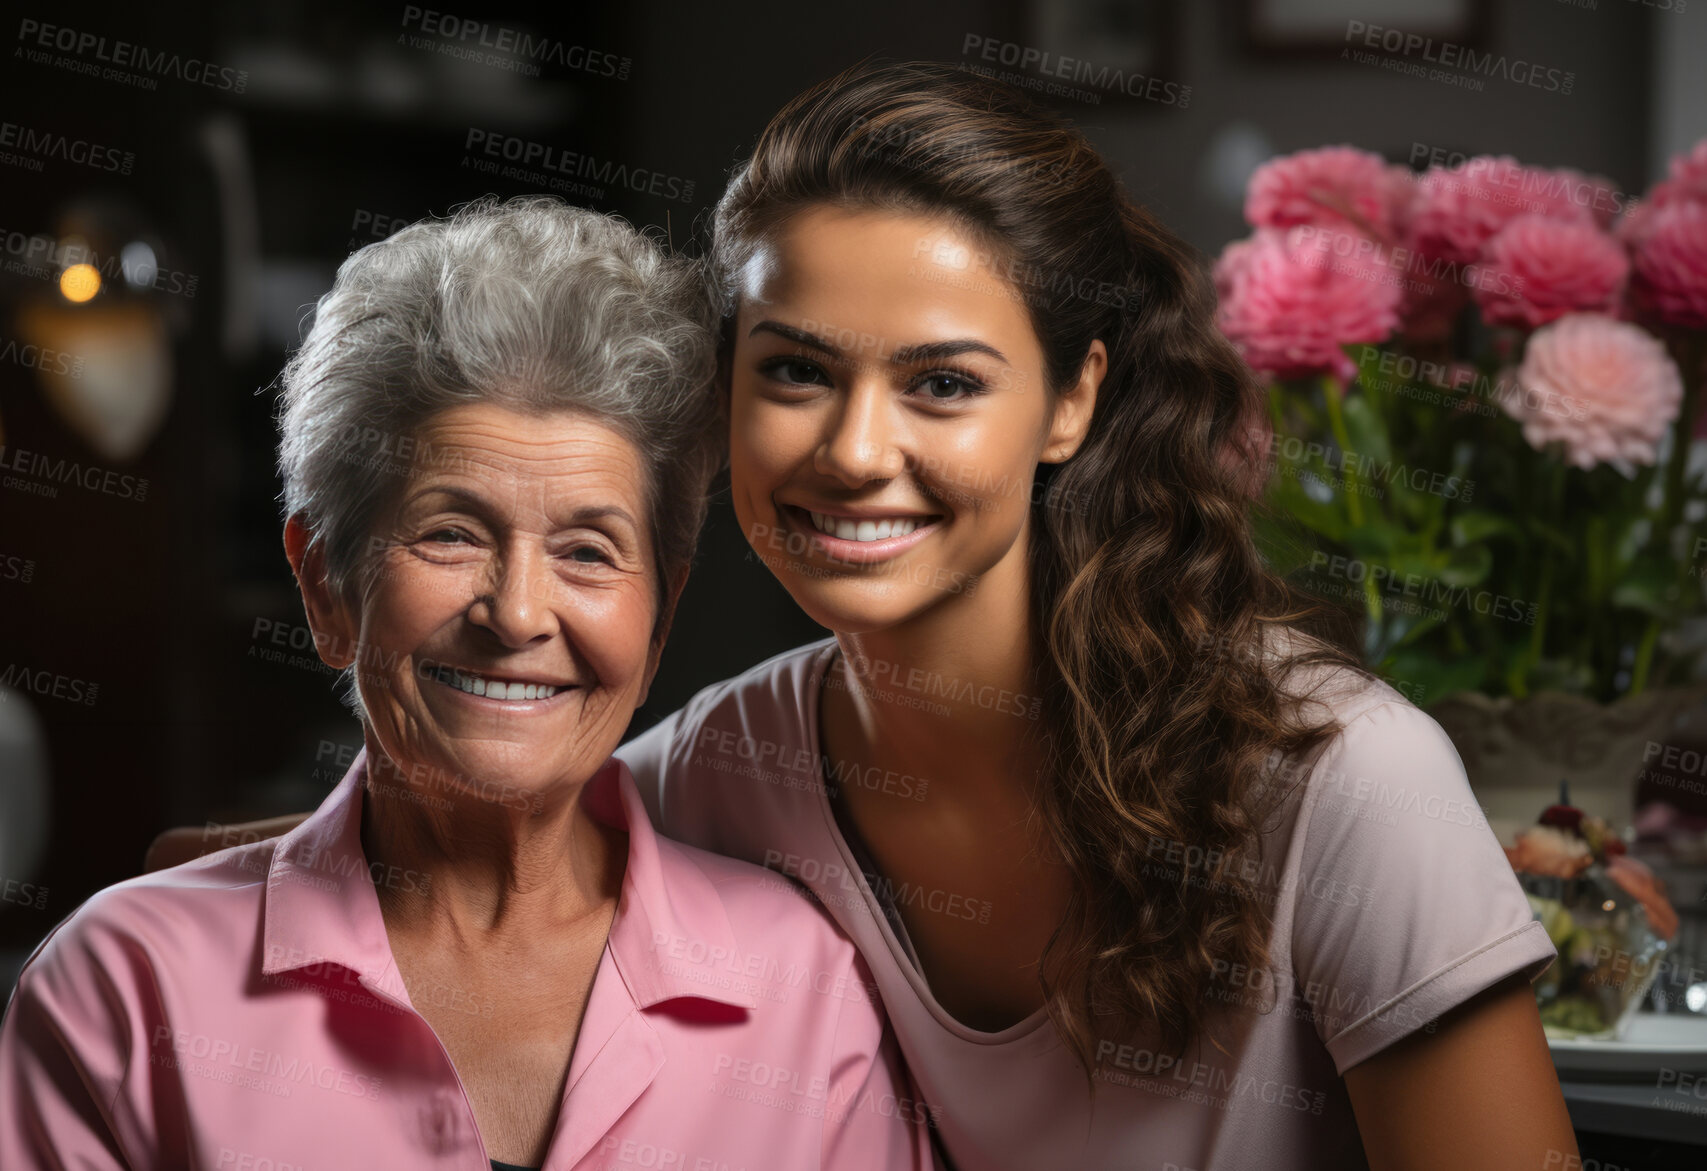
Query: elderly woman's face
point(507, 638)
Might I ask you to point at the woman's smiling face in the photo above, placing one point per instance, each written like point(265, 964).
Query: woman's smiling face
point(888, 411)
point(507, 634)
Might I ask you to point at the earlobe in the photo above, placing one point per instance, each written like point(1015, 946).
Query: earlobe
point(1071, 420)
point(656, 654)
point(328, 620)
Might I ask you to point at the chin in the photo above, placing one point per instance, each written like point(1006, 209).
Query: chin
point(851, 607)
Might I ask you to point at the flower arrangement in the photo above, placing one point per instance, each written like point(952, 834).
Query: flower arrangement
point(1606, 912)
point(1485, 392)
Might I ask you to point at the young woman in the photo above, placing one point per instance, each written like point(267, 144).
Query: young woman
point(1148, 876)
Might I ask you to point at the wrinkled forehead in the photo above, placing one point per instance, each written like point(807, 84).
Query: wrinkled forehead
point(542, 469)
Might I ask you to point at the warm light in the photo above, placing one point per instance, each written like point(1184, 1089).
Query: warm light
point(80, 282)
point(1609, 905)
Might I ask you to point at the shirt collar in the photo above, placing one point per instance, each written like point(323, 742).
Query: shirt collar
point(321, 905)
point(671, 936)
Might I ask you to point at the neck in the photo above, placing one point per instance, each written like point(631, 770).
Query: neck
point(953, 692)
point(462, 867)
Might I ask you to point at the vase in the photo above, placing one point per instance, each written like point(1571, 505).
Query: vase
point(1609, 955)
point(1516, 751)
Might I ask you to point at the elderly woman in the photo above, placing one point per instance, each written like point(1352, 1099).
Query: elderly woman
point(496, 448)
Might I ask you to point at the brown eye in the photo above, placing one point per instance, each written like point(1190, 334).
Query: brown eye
point(947, 386)
point(796, 370)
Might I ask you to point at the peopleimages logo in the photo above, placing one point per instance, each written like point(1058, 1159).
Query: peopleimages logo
point(122, 53)
point(449, 34)
point(1030, 59)
point(1397, 43)
point(40, 145)
point(555, 160)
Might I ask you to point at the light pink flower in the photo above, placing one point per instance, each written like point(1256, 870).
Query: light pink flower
point(1607, 390)
point(1338, 186)
point(1291, 299)
point(1460, 209)
point(1535, 270)
point(1670, 279)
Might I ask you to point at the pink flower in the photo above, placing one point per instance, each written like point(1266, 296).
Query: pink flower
point(1433, 298)
point(1605, 389)
point(1687, 181)
point(1670, 281)
point(1536, 270)
point(1639, 882)
point(1633, 226)
point(1338, 186)
point(1594, 197)
point(1291, 299)
point(1545, 850)
point(1460, 209)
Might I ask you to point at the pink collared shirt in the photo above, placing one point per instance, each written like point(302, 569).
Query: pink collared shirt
point(244, 1011)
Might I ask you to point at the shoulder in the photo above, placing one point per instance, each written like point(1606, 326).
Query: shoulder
point(116, 957)
point(185, 915)
point(767, 693)
point(731, 737)
point(783, 933)
point(1323, 688)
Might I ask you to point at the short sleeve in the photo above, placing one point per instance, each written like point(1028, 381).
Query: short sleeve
point(1404, 905)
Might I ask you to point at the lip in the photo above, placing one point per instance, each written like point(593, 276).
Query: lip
point(856, 552)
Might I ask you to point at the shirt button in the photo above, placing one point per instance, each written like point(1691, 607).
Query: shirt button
point(441, 1122)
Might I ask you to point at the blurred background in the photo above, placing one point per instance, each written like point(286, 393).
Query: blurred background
point(166, 227)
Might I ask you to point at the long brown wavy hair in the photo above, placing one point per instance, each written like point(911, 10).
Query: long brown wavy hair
point(1164, 702)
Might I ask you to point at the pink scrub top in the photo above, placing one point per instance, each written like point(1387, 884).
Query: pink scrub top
point(1392, 903)
point(244, 1011)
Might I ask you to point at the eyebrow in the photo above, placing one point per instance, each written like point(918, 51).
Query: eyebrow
point(903, 356)
point(477, 502)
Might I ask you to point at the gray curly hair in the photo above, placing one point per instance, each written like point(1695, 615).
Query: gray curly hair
point(531, 304)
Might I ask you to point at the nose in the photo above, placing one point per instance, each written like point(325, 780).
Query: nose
point(861, 444)
point(516, 606)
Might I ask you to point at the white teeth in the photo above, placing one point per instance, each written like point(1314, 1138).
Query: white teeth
point(846, 529)
point(492, 688)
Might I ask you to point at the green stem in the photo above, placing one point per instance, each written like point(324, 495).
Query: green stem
point(1688, 356)
point(1334, 394)
point(1554, 506)
point(1644, 657)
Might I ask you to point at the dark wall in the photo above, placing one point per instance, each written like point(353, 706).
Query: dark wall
point(177, 607)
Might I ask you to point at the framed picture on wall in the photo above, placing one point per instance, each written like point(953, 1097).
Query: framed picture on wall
point(1279, 29)
point(1126, 51)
